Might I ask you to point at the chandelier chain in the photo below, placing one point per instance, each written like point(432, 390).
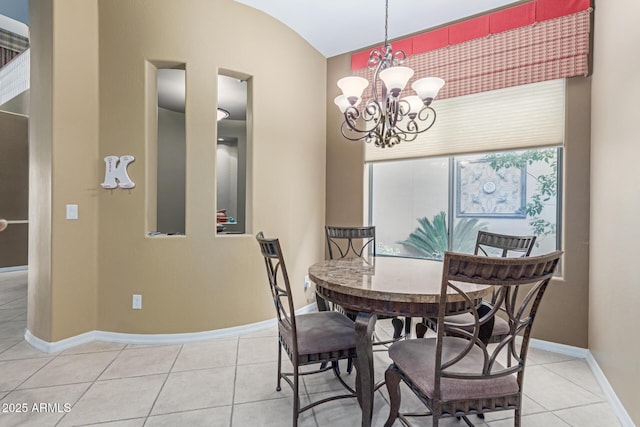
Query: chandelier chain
point(386, 22)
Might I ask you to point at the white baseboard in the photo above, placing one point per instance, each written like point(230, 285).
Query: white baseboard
point(16, 268)
point(58, 346)
point(583, 353)
point(567, 350)
point(618, 409)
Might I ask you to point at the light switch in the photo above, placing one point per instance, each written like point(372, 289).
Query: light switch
point(72, 211)
point(136, 302)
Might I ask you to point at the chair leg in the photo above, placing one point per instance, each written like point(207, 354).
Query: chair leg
point(516, 418)
point(407, 327)
point(397, 327)
point(296, 396)
point(421, 330)
point(349, 365)
point(278, 387)
point(392, 380)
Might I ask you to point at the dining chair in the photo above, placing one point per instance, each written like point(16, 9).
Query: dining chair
point(489, 244)
point(455, 373)
point(358, 242)
point(503, 245)
point(308, 339)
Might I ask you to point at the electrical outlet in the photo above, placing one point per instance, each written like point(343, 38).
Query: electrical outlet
point(307, 282)
point(136, 302)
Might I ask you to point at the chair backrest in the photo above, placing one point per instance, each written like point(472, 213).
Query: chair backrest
point(278, 283)
point(350, 242)
point(520, 284)
point(504, 245)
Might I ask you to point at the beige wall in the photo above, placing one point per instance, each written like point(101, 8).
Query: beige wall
point(563, 315)
point(63, 137)
point(345, 159)
point(83, 273)
point(615, 184)
point(14, 188)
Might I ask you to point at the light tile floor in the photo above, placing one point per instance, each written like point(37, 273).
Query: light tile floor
point(229, 382)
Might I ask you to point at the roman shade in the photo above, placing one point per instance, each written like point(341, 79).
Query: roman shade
point(511, 118)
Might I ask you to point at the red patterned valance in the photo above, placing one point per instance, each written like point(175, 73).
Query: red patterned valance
point(536, 41)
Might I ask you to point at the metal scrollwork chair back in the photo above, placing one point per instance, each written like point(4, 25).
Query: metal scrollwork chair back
point(313, 338)
point(456, 373)
point(506, 245)
point(493, 245)
point(341, 241)
point(359, 242)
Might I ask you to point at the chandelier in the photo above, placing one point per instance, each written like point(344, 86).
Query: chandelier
point(387, 119)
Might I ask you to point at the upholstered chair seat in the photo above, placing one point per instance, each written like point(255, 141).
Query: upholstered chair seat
point(416, 358)
point(322, 335)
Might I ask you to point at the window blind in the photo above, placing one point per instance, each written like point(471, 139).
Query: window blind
point(510, 118)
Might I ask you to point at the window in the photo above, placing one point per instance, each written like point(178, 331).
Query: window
point(414, 203)
point(231, 155)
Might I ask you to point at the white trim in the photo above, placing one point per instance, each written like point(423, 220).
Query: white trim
point(16, 268)
point(58, 346)
point(14, 26)
point(567, 350)
point(616, 405)
point(55, 347)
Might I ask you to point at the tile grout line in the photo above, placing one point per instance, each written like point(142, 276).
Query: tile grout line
point(92, 383)
point(162, 386)
point(235, 379)
point(600, 398)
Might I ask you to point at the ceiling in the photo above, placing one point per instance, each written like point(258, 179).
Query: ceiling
point(232, 93)
point(334, 27)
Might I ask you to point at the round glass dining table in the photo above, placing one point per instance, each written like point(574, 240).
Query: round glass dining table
point(388, 286)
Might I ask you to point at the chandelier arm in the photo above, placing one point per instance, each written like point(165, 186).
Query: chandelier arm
point(345, 134)
point(393, 110)
point(424, 114)
point(368, 135)
point(404, 108)
point(379, 92)
point(398, 57)
point(413, 127)
point(351, 116)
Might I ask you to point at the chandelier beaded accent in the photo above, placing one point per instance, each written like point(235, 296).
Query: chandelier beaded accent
point(387, 118)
